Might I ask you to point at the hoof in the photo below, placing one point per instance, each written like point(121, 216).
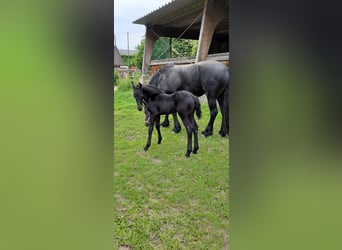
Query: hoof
point(145, 148)
point(205, 133)
point(223, 134)
point(176, 130)
point(187, 154)
point(165, 124)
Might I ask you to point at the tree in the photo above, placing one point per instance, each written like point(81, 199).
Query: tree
point(161, 50)
point(180, 48)
point(138, 57)
point(194, 47)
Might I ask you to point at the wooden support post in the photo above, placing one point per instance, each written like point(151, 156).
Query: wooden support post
point(214, 12)
point(150, 39)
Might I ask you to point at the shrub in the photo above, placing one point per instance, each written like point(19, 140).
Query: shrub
point(124, 84)
point(116, 78)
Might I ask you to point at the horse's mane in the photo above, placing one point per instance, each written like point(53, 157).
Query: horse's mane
point(155, 79)
point(150, 91)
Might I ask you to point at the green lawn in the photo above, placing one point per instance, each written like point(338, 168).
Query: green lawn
point(162, 199)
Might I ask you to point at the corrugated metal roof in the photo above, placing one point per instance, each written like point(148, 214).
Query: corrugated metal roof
point(167, 9)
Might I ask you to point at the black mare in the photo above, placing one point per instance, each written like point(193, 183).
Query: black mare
point(208, 77)
point(158, 103)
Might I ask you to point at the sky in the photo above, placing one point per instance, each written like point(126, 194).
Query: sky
point(127, 11)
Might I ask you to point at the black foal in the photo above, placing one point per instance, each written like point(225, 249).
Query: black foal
point(158, 103)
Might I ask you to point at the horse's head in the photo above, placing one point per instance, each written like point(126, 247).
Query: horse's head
point(138, 95)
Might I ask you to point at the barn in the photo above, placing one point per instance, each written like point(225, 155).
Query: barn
point(117, 57)
point(204, 20)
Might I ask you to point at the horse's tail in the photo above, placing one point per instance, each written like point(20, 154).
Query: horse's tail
point(198, 107)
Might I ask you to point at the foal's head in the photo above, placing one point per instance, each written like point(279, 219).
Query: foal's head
point(138, 95)
point(142, 95)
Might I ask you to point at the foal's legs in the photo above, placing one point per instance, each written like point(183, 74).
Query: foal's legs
point(166, 122)
point(188, 125)
point(157, 120)
point(195, 131)
point(150, 130)
point(213, 112)
point(177, 127)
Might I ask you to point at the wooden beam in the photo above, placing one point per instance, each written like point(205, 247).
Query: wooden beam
point(150, 39)
point(191, 33)
point(214, 12)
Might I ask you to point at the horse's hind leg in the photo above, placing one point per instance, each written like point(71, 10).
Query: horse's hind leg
point(213, 112)
point(177, 127)
point(158, 129)
point(166, 122)
point(224, 111)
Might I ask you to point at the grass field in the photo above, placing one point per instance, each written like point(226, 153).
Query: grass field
point(162, 199)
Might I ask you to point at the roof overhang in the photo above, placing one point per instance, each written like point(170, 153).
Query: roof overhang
point(182, 18)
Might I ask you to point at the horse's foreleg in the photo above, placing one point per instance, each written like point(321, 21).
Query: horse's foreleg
point(158, 129)
point(147, 117)
point(150, 130)
point(166, 122)
point(177, 127)
point(213, 112)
